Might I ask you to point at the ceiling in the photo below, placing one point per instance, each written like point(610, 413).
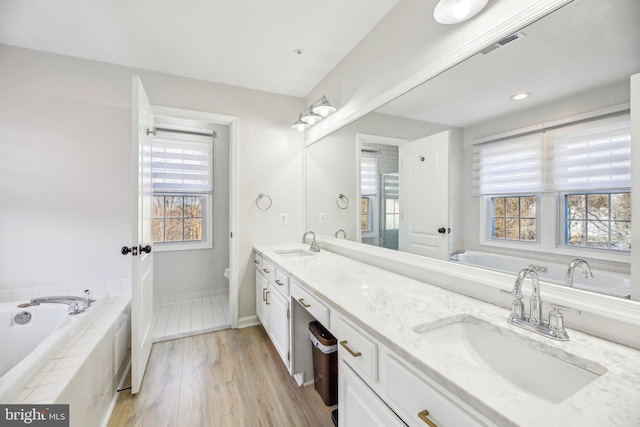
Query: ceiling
point(247, 43)
point(586, 45)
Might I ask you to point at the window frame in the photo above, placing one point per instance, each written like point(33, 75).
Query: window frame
point(562, 219)
point(370, 219)
point(491, 226)
point(207, 226)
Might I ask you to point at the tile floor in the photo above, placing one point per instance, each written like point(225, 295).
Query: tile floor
point(186, 318)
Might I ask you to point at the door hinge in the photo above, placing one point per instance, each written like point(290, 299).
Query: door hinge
point(288, 355)
point(288, 314)
point(231, 235)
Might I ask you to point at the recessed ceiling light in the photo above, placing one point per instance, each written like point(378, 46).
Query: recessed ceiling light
point(298, 51)
point(519, 96)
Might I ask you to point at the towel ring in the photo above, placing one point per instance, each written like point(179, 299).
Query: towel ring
point(343, 201)
point(261, 205)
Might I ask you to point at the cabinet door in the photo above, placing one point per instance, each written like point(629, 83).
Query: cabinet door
point(279, 323)
point(262, 287)
point(359, 405)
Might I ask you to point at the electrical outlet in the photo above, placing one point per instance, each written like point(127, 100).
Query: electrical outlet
point(284, 218)
point(322, 218)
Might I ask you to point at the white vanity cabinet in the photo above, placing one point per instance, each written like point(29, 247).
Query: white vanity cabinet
point(359, 405)
point(279, 322)
point(383, 378)
point(262, 309)
point(272, 305)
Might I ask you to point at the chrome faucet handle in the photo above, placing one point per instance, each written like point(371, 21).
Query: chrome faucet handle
point(517, 306)
point(89, 295)
point(76, 307)
point(556, 321)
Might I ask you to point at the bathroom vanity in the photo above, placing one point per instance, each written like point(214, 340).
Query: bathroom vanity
point(433, 356)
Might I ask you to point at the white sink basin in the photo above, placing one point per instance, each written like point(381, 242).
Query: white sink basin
point(294, 253)
point(529, 369)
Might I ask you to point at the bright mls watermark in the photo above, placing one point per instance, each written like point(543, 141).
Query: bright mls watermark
point(34, 415)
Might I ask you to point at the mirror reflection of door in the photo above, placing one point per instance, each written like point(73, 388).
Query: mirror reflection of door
point(424, 196)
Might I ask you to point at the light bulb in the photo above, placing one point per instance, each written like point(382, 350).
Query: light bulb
point(461, 9)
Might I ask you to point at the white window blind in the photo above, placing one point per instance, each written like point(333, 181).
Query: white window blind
point(182, 162)
point(368, 174)
point(589, 156)
point(511, 166)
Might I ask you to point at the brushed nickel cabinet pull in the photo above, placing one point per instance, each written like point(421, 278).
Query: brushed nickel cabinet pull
point(304, 304)
point(267, 299)
point(351, 352)
point(279, 282)
point(264, 297)
point(424, 416)
point(265, 270)
point(255, 261)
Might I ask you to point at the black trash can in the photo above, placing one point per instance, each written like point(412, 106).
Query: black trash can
point(325, 362)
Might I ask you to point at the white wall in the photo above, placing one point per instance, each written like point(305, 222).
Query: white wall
point(190, 273)
point(66, 224)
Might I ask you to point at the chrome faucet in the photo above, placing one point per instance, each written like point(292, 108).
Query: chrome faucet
point(534, 323)
point(76, 304)
point(453, 256)
point(314, 245)
point(586, 271)
point(344, 233)
point(535, 308)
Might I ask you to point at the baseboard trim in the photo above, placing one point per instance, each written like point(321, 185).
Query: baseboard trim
point(245, 322)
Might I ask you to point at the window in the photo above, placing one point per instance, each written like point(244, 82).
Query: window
point(583, 167)
point(368, 189)
point(366, 213)
point(598, 220)
point(514, 218)
point(392, 214)
point(178, 218)
point(182, 159)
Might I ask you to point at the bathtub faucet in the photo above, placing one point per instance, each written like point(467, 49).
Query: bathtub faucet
point(76, 304)
point(586, 271)
point(453, 256)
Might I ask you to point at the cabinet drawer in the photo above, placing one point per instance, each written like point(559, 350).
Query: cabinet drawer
point(410, 393)
point(282, 283)
point(357, 349)
point(257, 261)
point(312, 304)
point(268, 270)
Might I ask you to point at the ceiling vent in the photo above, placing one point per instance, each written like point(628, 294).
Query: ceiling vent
point(505, 41)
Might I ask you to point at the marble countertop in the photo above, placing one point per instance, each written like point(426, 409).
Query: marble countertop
point(390, 306)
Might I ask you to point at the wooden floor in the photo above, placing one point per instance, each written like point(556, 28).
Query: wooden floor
point(225, 378)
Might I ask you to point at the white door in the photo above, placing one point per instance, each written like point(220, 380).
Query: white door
point(424, 196)
point(279, 323)
point(142, 270)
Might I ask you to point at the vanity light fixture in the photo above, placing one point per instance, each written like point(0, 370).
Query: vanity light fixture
point(456, 11)
point(520, 96)
point(310, 117)
point(300, 125)
point(323, 107)
point(314, 114)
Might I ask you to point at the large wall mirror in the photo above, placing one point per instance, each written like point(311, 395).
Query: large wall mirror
point(405, 176)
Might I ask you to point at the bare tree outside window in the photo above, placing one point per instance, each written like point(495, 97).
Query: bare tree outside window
point(598, 220)
point(177, 218)
point(514, 218)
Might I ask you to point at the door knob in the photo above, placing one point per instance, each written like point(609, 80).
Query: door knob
point(442, 230)
point(125, 250)
point(146, 249)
